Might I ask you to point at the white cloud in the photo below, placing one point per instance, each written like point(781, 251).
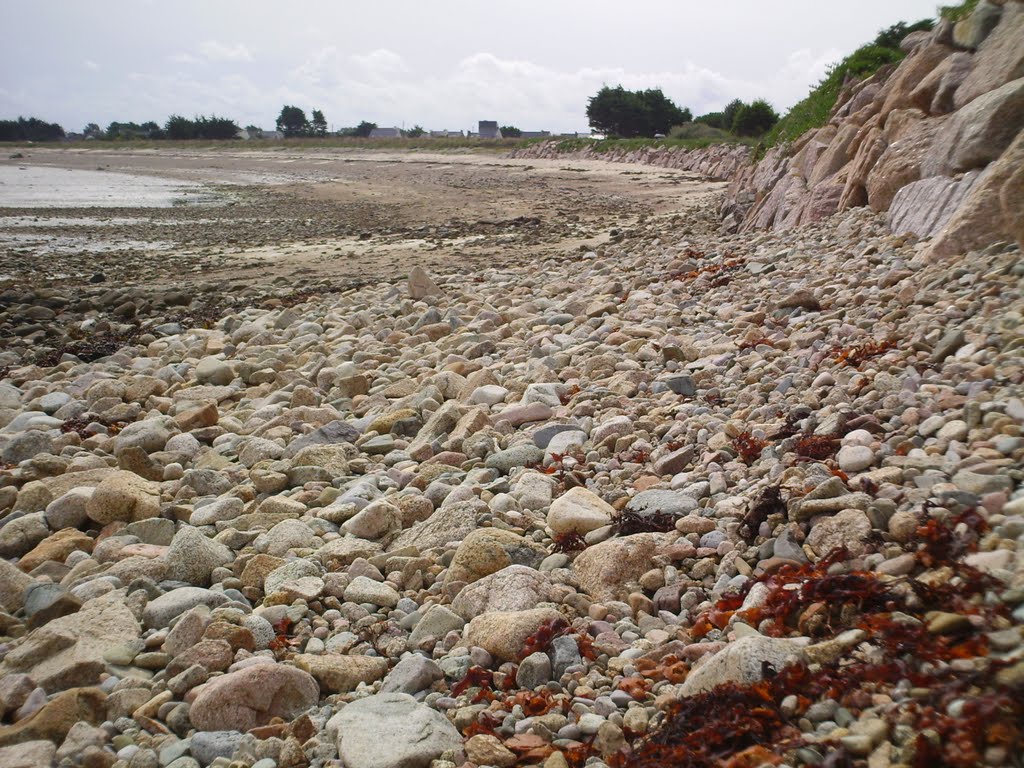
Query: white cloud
point(90, 64)
point(184, 58)
point(380, 86)
point(217, 51)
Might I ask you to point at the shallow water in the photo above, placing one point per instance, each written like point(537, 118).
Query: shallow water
point(43, 187)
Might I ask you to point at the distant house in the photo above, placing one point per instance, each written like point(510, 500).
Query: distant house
point(535, 134)
point(446, 134)
point(488, 129)
point(273, 135)
point(386, 133)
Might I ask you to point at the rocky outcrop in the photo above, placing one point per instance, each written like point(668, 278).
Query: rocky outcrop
point(923, 141)
point(720, 162)
point(934, 142)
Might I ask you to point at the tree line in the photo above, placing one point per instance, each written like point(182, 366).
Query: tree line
point(621, 113)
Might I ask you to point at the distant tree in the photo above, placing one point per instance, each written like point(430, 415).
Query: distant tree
point(618, 112)
point(754, 119)
point(891, 37)
point(510, 132)
point(32, 129)
point(712, 119)
point(180, 128)
point(255, 132)
point(364, 129)
point(318, 125)
point(661, 113)
point(150, 130)
point(123, 131)
point(201, 127)
point(214, 127)
point(415, 132)
point(92, 131)
point(292, 122)
point(730, 112)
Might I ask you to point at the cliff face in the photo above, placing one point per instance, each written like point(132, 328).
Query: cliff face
point(936, 142)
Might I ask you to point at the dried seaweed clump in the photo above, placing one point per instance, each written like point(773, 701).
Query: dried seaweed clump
point(748, 447)
point(768, 503)
point(861, 353)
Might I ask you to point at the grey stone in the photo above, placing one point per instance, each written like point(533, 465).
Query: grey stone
point(26, 445)
point(564, 654)
point(682, 385)
point(740, 662)
point(516, 456)
point(207, 746)
point(437, 621)
point(411, 675)
point(192, 557)
point(161, 611)
point(674, 503)
point(338, 431)
point(391, 730)
point(534, 670)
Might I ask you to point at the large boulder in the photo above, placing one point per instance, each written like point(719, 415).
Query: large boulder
point(12, 586)
point(909, 136)
point(579, 511)
point(515, 588)
point(609, 570)
point(977, 134)
point(252, 696)
point(992, 210)
point(1000, 58)
point(741, 662)
point(391, 730)
point(192, 557)
point(68, 651)
point(123, 496)
point(340, 674)
point(451, 523)
point(56, 717)
point(503, 634)
point(923, 207)
point(488, 550)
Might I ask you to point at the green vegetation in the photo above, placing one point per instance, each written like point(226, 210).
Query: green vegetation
point(630, 114)
point(292, 121)
point(958, 12)
point(700, 132)
point(814, 110)
point(32, 129)
point(754, 119)
point(118, 131)
point(510, 132)
point(213, 127)
point(318, 125)
point(363, 130)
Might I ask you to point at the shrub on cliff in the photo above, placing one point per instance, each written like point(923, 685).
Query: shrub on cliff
point(813, 111)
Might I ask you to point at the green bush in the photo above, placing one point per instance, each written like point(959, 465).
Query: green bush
point(814, 110)
point(697, 130)
point(754, 119)
point(958, 12)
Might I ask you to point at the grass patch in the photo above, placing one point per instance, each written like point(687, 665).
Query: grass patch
point(814, 110)
point(955, 13)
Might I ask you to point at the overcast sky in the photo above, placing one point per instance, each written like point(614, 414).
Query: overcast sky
point(440, 64)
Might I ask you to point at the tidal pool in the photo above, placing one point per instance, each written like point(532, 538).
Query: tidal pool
point(32, 186)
